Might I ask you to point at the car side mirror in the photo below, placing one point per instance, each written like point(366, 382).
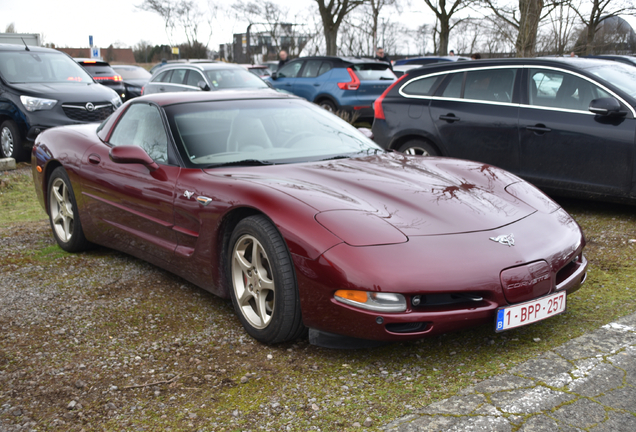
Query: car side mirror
point(608, 106)
point(366, 132)
point(203, 85)
point(274, 76)
point(132, 155)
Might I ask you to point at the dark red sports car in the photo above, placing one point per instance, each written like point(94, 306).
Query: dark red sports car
point(304, 222)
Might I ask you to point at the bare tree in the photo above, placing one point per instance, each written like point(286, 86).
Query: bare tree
point(600, 11)
point(444, 13)
point(524, 18)
point(184, 15)
point(559, 39)
point(332, 15)
point(10, 28)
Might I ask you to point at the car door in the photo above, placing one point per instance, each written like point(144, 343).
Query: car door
point(286, 76)
point(132, 206)
point(475, 114)
point(564, 145)
point(311, 78)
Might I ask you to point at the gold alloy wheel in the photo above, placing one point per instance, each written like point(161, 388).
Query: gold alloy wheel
point(253, 281)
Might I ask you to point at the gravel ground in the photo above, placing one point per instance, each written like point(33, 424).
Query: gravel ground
point(101, 341)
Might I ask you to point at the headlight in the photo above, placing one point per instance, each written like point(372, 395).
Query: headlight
point(116, 101)
point(34, 104)
point(375, 301)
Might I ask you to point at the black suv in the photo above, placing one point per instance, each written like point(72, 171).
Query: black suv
point(41, 88)
point(104, 74)
point(568, 125)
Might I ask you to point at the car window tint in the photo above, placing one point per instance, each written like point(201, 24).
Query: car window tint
point(163, 76)
point(289, 70)
point(324, 68)
point(562, 90)
point(177, 76)
point(373, 71)
point(193, 78)
point(490, 85)
point(311, 69)
point(234, 78)
point(141, 126)
point(454, 87)
point(422, 87)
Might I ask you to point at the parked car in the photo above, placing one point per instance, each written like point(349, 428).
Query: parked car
point(104, 74)
point(305, 223)
point(202, 76)
point(429, 60)
point(335, 83)
point(158, 66)
point(565, 124)
point(134, 78)
point(41, 88)
point(272, 65)
point(627, 59)
point(400, 70)
point(258, 70)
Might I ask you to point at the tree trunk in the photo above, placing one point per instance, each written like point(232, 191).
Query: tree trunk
point(530, 15)
point(331, 40)
point(444, 33)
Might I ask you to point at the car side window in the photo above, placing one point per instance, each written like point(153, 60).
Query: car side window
point(422, 87)
point(454, 87)
point(311, 69)
point(193, 78)
point(141, 125)
point(164, 76)
point(490, 85)
point(324, 68)
point(556, 89)
point(290, 70)
point(178, 76)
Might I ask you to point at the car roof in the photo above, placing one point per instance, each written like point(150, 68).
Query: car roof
point(203, 66)
point(350, 60)
point(172, 98)
point(16, 47)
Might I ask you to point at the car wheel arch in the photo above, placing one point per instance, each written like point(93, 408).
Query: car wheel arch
point(322, 98)
point(398, 142)
point(48, 172)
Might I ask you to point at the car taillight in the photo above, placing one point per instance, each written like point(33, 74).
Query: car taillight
point(109, 78)
point(377, 105)
point(142, 90)
point(354, 84)
point(118, 78)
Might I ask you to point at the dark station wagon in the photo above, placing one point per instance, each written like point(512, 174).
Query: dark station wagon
point(566, 125)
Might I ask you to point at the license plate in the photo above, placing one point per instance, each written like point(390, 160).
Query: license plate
point(530, 312)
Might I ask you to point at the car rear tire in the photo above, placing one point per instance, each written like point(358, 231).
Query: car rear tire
point(263, 282)
point(10, 142)
point(326, 104)
point(63, 213)
point(418, 147)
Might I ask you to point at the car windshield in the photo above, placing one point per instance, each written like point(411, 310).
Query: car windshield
point(133, 73)
point(233, 79)
point(40, 67)
point(620, 75)
point(373, 71)
point(262, 131)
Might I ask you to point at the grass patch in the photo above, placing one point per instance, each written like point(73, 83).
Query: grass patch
point(18, 202)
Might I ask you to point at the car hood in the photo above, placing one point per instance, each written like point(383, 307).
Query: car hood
point(416, 195)
point(67, 92)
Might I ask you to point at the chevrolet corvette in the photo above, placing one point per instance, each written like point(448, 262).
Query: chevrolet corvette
point(306, 224)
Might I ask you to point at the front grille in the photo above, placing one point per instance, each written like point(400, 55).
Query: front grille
point(79, 112)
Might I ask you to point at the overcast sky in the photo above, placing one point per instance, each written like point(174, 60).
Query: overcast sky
point(68, 23)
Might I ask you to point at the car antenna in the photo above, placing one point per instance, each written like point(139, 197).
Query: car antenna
point(25, 45)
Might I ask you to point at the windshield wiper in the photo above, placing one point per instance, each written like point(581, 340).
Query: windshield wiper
point(244, 162)
point(354, 154)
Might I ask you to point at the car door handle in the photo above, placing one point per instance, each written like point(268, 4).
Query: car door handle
point(539, 129)
point(162, 89)
point(316, 85)
point(449, 118)
point(94, 159)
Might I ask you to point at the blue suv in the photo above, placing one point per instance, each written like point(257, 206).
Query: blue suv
point(336, 83)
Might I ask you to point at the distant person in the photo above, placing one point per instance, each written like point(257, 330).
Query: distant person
point(475, 56)
point(282, 55)
point(451, 53)
point(381, 56)
point(572, 54)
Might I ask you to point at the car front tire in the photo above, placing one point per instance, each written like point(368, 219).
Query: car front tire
point(63, 213)
point(263, 282)
point(10, 142)
point(326, 104)
point(418, 147)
